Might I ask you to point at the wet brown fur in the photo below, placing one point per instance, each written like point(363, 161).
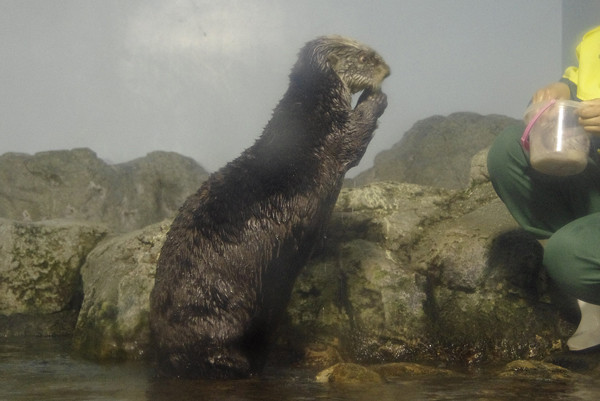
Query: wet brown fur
point(231, 257)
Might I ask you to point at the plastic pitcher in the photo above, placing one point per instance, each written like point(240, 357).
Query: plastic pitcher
point(558, 145)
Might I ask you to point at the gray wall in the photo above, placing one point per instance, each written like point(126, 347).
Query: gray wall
point(578, 16)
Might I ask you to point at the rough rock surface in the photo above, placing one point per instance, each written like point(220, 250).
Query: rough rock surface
point(537, 370)
point(407, 272)
point(403, 275)
point(39, 274)
point(409, 278)
point(117, 279)
point(436, 151)
point(76, 184)
point(407, 369)
point(349, 373)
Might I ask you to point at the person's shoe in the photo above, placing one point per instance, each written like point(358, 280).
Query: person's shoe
point(587, 335)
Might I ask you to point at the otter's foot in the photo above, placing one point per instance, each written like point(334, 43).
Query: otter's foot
point(220, 364)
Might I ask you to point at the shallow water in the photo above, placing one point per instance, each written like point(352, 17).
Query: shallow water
point(43, 369)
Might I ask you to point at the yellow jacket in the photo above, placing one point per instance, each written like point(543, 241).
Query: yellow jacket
point(587, 75)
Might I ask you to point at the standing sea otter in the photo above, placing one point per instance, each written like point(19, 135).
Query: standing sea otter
point(226, 270)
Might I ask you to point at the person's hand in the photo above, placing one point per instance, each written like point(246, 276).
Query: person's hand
point(556, 90)
point(589, 115)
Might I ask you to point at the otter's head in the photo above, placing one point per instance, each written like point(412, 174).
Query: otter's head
point(357, 65)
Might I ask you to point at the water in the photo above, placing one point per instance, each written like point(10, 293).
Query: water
point(44, 369)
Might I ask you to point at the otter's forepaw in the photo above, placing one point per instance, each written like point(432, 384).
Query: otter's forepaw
point(372, 101)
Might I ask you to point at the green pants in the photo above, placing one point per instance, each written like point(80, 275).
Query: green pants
point(564, 209)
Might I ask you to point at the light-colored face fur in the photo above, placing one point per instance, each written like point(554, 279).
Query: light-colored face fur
point(357, 65)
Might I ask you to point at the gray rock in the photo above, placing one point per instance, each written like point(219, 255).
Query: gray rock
point(39, 273)
point(362, 290)
point(538, 371)
point(437, 151)
point(76, 184)
point(401, 370)
point(407, 271)
point(348, 373)
point(117, 279)
point(478, 173)
point(46, 325)
point(425, 292)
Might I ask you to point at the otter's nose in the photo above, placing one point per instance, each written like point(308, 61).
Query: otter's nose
point(385, 69)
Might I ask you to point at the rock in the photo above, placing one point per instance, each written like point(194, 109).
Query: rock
point(76, 184)
point(536, 370)
point(39, 274)
point(515, 257)
point(478, 172)
point(348, 373)
point(436, 151)
point(586, 363)
point(321, 355)
point(480, 305)
point(35, 325)
point(117, 279)
point(358, 290)
point(406, 369)
point(405, 276)
point(407, 272)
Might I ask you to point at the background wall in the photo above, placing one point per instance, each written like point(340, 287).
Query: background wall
point(578, 16)
point(201, 77)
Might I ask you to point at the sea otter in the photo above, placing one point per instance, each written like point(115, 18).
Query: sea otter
point(230, 259)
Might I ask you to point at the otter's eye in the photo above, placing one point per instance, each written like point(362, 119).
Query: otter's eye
point(362, 59)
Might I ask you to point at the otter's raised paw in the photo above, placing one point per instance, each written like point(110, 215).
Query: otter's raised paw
point(372, 102)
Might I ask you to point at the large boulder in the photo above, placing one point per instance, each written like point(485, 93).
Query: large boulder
point(414, 275)
point(362, 282)
point(436, 151)
point(76, 184)
point(407, 272)
point(117, 279)
point(40, 285)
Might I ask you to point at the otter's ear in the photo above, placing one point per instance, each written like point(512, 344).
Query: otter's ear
point(333, 60)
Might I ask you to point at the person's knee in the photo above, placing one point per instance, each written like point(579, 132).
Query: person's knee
point(571, 260)
point(558, 258)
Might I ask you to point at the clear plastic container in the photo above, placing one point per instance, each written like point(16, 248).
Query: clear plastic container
point(558, 145)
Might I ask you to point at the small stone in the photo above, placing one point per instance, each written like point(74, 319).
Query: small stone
point(407, 369)
point(537, 370)
point(348, 373)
